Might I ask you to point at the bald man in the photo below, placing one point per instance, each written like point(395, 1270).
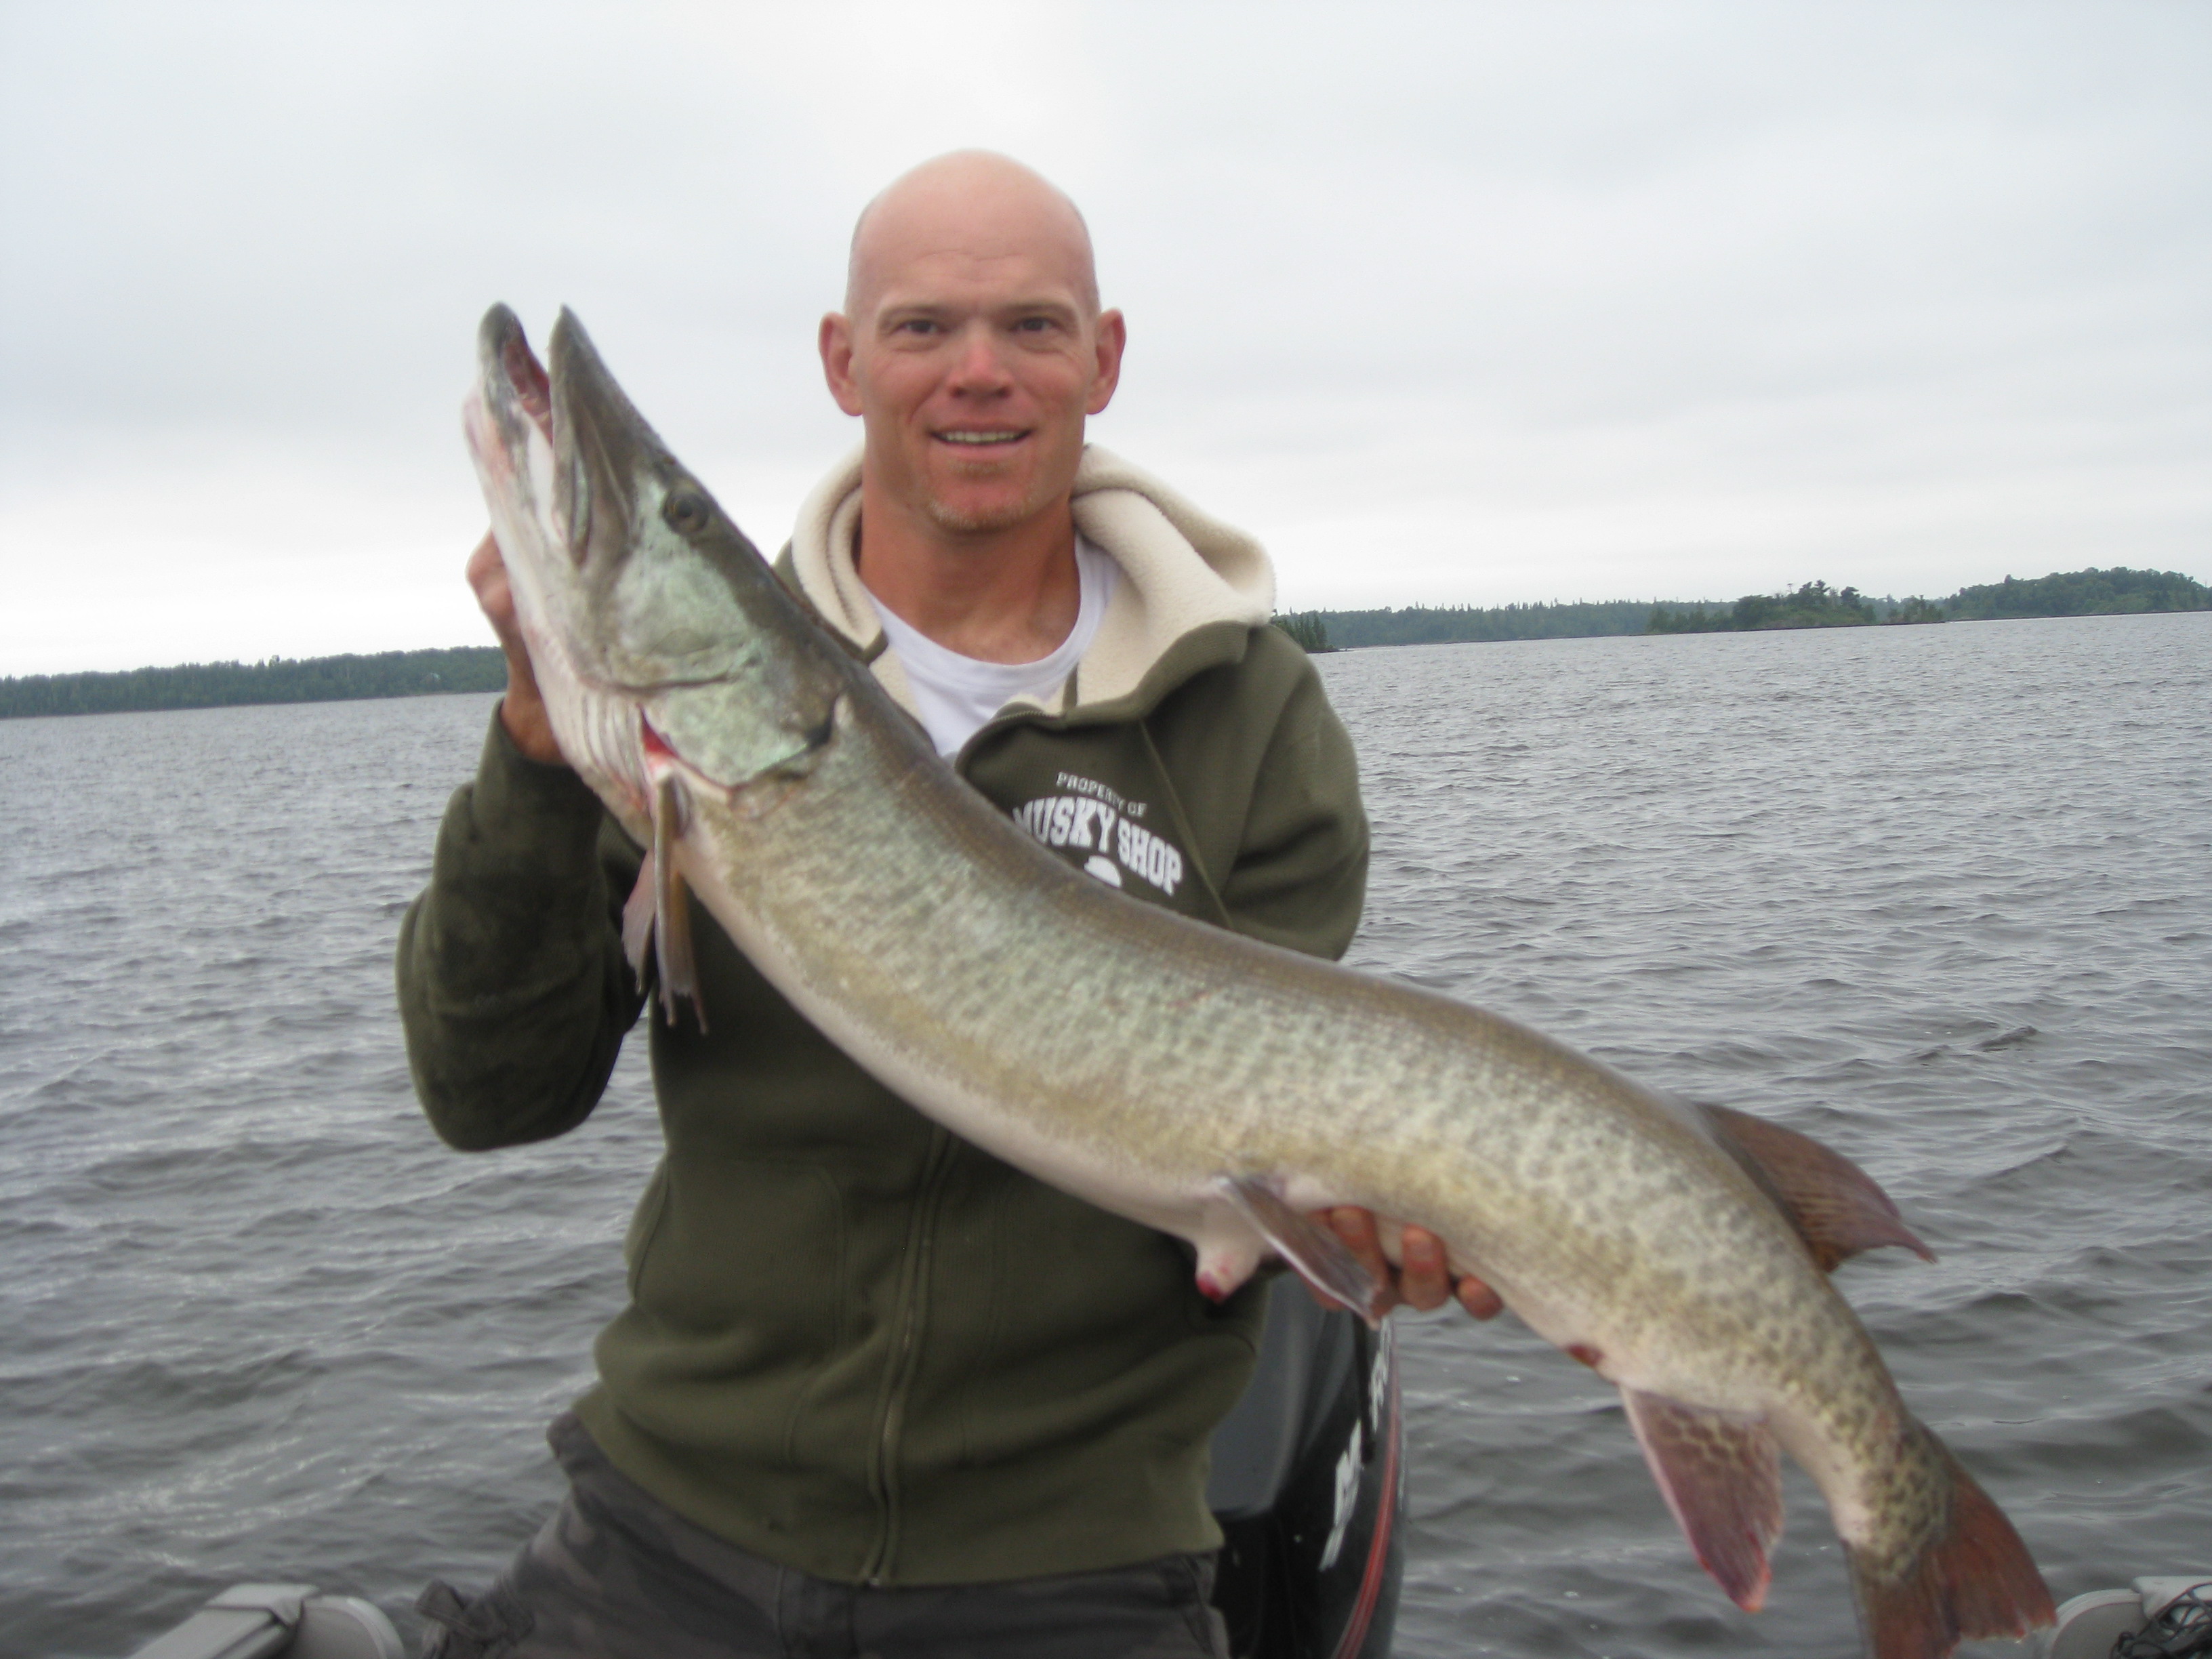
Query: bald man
point(875, 1391)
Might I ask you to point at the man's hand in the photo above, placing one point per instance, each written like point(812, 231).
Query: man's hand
point(522, 711)
point(1424, 1279)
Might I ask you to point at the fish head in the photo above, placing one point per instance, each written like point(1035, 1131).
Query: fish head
point(633, 589)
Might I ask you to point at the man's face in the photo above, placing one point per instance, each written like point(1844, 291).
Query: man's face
point(973, 353)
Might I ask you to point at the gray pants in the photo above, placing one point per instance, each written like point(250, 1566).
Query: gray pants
point(616, 1573)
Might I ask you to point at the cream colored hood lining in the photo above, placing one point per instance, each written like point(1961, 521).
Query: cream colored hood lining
point(1181, 570)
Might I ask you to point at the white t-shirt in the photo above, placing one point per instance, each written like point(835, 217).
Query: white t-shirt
point(956, 695)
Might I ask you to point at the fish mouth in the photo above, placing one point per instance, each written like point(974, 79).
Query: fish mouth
point(616, 555)
point(579, 454)
point(527, 379)
point(513, 385)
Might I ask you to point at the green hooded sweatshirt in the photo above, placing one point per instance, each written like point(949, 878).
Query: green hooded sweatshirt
point(855, 1344)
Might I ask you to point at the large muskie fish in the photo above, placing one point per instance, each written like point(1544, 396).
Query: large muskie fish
point(1212, 1086)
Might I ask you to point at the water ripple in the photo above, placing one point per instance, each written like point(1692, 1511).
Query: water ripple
point(1939, 896)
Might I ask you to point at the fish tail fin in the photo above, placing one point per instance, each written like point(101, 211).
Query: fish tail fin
point(1973, 1579)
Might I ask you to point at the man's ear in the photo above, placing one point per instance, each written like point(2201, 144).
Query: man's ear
point(836, 341)
point(1113, 339)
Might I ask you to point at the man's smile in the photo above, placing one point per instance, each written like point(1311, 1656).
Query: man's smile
point(981, 439)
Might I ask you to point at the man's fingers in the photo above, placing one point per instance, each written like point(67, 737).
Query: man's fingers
point(1422, 1277)
point(522, 710)
point(1356, 1227)
point(485, 565)
point(1478, 1299)
point(1423, 1282)
point(487, 579)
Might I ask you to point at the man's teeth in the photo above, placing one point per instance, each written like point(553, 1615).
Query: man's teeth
point(979, 437)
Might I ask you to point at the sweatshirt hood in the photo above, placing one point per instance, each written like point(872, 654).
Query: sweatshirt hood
point(1191, 587)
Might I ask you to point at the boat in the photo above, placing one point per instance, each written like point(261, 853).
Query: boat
point(256, 1621)
point(2162, 1617)
point(1308, 1484)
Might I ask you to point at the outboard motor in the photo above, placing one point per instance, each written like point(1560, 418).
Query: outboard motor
point(1308, 1487)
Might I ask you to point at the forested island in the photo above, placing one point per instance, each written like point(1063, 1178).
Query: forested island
point(2115, 591)
point(1813, 606)
point(2092, 592)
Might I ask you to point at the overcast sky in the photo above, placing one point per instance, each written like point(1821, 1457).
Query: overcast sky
point(1448, 303)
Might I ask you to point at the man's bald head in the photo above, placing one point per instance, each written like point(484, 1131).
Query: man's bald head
point(973, 349)
point(974, 202)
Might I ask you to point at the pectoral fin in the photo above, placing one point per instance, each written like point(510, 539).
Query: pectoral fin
point(637, 916)
point(1722, 1475)
point(671, 929)
point(1834, 1203)
point(1314, 1251)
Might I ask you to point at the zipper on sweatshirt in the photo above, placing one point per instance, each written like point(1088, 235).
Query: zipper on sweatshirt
point(909, 1322)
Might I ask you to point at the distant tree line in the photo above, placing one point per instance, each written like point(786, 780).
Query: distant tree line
point(2092, 593)
point(1425, 624)
point(2114, 592)
point(1308, 628)
point(278, 679)
point(2117, 591)
point(1813, 606)
point(2076, 593)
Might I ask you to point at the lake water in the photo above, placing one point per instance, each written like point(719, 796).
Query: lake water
point(1940, 896)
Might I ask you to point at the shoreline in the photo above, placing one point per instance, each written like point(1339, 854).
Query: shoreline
point(458, 670)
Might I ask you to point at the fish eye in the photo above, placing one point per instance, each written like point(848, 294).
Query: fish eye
point(685, 510)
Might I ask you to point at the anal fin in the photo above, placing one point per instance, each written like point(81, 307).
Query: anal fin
point(1721, 1476)
point(1835, 1204)
point(1312, 1249)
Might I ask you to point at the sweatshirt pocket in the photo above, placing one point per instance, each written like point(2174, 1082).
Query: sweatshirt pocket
point(745, 1255)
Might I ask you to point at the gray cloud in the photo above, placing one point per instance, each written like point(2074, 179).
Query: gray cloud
point(1447, 301)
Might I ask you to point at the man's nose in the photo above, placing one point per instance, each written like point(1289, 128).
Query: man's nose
point(980, 366)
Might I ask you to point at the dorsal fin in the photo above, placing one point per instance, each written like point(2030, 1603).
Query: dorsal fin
point(1834, 1203)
